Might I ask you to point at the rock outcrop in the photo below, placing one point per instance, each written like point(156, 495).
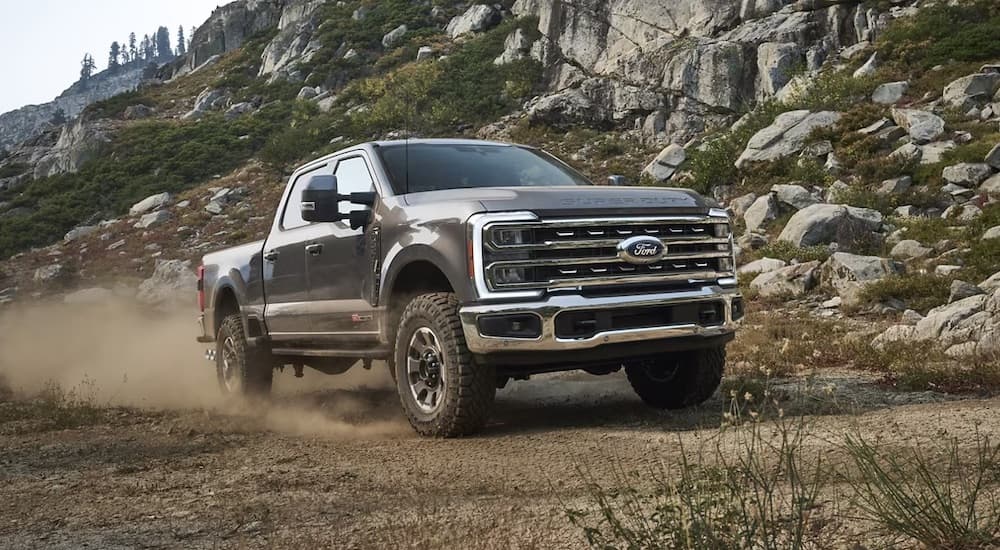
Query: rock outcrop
point(969, 326)
point(830, 223)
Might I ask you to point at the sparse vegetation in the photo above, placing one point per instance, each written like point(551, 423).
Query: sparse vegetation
point(919, 291)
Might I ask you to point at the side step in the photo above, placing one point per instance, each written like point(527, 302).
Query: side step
point(380, 352)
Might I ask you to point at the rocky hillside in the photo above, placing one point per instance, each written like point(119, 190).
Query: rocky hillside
point(855, 143)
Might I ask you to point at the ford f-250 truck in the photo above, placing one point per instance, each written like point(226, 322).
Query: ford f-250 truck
point(465, 264)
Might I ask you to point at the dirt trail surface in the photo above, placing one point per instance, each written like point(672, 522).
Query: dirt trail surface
point(331, 462)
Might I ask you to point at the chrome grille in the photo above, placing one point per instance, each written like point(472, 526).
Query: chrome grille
point(572, 253)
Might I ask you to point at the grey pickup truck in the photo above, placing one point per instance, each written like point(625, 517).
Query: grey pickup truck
point(464, 264)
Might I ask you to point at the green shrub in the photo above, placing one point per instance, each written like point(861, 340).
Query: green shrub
point(115, 106)
point(788, 252)
point(919, 291)
point(942, 33)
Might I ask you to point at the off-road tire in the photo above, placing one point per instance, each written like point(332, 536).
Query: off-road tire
point(469, 389)
point(254, 367)
point(696, 376)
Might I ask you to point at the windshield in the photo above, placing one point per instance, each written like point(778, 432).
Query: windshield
point(436, 166)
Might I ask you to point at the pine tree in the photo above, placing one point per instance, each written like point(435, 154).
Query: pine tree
point(133, 52)
point(181, 43)
point(113, 55)
point(163, 49)
point(87, 67)
point(148, 52)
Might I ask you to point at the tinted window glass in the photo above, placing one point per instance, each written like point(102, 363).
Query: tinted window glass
point(436, 166)
point(352, 177)
point(292, 216)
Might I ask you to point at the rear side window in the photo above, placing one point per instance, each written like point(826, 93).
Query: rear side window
point(291, 218)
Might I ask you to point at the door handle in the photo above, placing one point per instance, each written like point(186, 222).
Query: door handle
point(270, 255)
point(314, 249)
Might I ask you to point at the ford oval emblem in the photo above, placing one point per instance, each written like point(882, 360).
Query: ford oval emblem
point(641, 250)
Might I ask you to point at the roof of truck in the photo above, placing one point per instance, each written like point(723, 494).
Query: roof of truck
point(440, 141)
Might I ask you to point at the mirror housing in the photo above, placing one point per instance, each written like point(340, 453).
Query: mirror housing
point(617, 181)
point(320, 198)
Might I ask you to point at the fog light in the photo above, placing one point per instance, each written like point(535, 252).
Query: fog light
point(520, 325)
point(721, 230)
point(510, 275)
point(737, 308)
point(511, 237)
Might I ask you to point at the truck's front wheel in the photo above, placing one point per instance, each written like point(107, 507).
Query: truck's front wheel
point(678, 380)
point(443, 392)
point(243, 371)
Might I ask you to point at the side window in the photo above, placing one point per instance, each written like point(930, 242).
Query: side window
point(292, 216)
point(352, 177)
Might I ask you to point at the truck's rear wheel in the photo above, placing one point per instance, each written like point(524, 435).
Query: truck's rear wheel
point(678, 380)
point(242, 370)
point(443, 392)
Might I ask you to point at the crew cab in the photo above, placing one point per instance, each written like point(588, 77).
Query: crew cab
point(464, 264)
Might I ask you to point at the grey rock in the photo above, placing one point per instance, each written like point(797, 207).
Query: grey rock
point(908, 152)
point(818, 149)
point(894, 186)
point(906, 211)
point(991, 283)
point(351, 55)
point(961, 290)
point(967, 326)
point(992, 233)
point(307, 93)
point(739, 205)
point(78, 143)
point(116, 245)
point(993, 157)
point(762, 211)
point(785, 136)
point(793, 280)
point(837, 191)
point(794, 196)
point(967, 91)
point(666, 163)
point(832, 303)
point(239, 110)
point(827, 223)
point(910, 249)
point(137, 112)
point(922, 126)
point(425, 52)
point(911, 317)
point(848, 274)
point(153, 219)
point(868, 69)
point(517, 46)
point(170, 284)
point(890, 92)
point(477, 18)
point(962, 212)
point(152, 202)
point(967, 174)
point(876, 127)
point(776, 63)
point(933, 153)
point(392, 37)
point(209, 99)
point(762, 265)
point(215, 207)
point(991, 187)
point(79, 232)
point(183, 204)
point(49, 273)
point(945, 270)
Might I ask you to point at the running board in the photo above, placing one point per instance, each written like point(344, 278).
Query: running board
point(381, 352)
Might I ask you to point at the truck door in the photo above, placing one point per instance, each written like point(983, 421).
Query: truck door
point(286, 286)
point(339, 262)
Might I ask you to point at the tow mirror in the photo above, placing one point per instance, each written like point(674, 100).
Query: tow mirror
point(617, 181)
point(320, 198)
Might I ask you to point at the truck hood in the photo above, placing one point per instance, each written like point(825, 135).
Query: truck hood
point(573, 200)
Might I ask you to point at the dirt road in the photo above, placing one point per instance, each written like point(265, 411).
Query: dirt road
point(331, 463)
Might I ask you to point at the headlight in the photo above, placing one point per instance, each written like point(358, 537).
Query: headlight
point(511, 237)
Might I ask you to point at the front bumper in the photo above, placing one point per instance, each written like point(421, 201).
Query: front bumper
point(549, 308)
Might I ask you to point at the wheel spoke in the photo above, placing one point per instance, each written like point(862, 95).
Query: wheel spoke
point(412, 365)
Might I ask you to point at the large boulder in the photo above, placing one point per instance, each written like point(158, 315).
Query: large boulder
point(172, 283)
point(79, 142)
point(967, 174)
point(666, 163)
point(787, 135)
point(477, 18)
point(922, 126)
point(970, 90)
point(763, 210)
point(909, 249)
point(776, 63)
point(394, 36)
point(763, 265)
point(790, 281)
point(828, 223)
point(967, 326)
point(516, 46)
point(848, 274)
point(993, 157)
point(795, 196)
point(150, 203)
point(152, 219)
point(890, 92)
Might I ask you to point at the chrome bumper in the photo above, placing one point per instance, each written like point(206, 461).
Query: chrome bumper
point(555, 304)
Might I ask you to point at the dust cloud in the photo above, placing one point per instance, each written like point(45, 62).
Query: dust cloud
point(119, 353)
